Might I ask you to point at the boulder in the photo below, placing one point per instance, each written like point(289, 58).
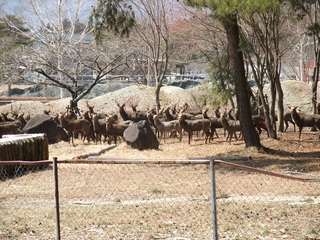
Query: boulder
point(140, 135)
point(43, 123)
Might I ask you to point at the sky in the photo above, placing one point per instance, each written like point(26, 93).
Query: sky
point(22, 8)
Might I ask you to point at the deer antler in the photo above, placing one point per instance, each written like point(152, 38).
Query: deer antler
point(118, 103)
point(90, 107)
point(133, 102)
point(15, 113)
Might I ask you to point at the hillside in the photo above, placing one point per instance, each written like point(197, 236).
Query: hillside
point(106, 103)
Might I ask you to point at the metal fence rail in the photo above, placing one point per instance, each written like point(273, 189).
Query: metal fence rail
point(155, 199)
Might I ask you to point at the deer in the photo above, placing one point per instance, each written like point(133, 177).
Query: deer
point(167, 127)
point(88, 116)
point(232, 127)
point(215, 123)
point(5, 117)
point(260, 123)
point(125, 116)
point(9, 128)
point(115, 130)
point(150, 116)
point(75, 125)
point(47, 112)
point(191, 126)
point(169, 115)
point(304, 120)
point(137, 115)
point(217, 112)
point(188, 110)
point(19, 120)
point(99, 128)
point(288, 118)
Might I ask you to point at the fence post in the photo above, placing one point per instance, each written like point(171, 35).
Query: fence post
point(213, 200)
point(56, 197)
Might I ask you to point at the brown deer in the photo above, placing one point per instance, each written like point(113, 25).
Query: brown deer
point(191, 126)
point(125, 116)
point(115, 130)
point(232, 127)
point(260, 123)
point(287, 118)
point(88, 116)
point(75, 125)
point(99, 128)
point(304, 120)
point(9, 128)
point(167, 127)
point(137, 115)
point(169, 115)
point(215, 123)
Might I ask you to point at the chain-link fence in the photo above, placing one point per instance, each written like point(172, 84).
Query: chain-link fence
point(145, 199)
point(255, 204)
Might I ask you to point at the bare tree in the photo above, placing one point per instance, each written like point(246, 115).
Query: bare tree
point(61, 53)
point(203, 41)
point(10, 40)
point(264, 34)
point(153, 30)
point(309, 12)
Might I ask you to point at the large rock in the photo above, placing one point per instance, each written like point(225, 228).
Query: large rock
point(43, 123)
point(139, 135)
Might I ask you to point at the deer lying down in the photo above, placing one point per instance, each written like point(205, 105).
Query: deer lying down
point(191, 126)
point(9, 128)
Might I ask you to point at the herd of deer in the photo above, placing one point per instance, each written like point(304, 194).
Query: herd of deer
point(169, 122)
point(11, 125)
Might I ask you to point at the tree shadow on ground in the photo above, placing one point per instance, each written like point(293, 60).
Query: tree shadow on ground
point(279, 159)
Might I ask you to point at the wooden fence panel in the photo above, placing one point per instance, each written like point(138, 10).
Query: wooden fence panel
point(26, 147)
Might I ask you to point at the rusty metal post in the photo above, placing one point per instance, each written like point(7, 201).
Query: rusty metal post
point(56, 197)
point(213, 200)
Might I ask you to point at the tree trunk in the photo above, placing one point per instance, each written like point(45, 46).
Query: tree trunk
point(273, 117)
point(9, 90)
point(158, 104)
point(266, 112)
point(315, 80)
point(251, 136)
point(280, 105)
point(74, 103)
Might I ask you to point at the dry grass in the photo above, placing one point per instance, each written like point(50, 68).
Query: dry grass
point(285, 153)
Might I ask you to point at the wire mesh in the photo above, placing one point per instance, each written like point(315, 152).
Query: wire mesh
point(139, 201)
point(109, 201)
point(27, 202)
point(258, 206)
point(154, 201)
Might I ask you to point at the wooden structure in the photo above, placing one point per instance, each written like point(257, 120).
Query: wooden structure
point(10, 99)
point(25, 147)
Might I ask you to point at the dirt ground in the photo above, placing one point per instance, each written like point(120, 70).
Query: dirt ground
point(269, 215)
point(285, 154)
